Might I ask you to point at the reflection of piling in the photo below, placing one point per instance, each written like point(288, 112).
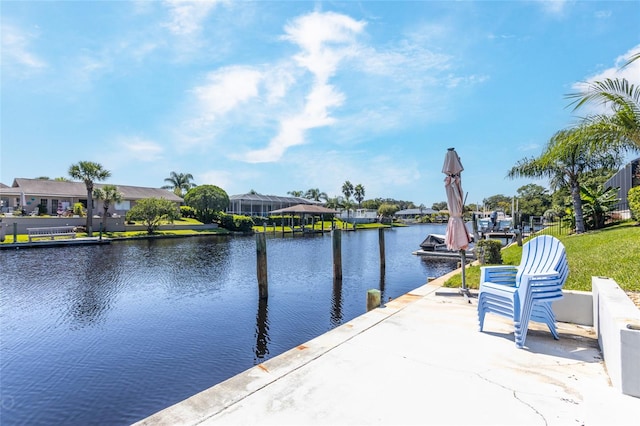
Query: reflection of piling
point(336, 239)
point(261, 255)
point(373, 299)
point(381, 244)
point(15, 232)
point(262, 330)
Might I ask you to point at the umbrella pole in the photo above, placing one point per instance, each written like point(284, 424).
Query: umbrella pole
point(463, 257)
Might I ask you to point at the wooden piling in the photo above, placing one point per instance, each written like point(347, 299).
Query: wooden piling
point(336, 239)
point(381, 245)
point(373, 299)
point(261, 252)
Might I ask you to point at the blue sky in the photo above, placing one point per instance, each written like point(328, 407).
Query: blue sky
point(280, 96)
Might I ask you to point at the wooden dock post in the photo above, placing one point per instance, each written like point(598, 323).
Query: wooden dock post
point(261, 252)
point(381, 244)
point(373, 299)
point(15, 232)
point(336, 239)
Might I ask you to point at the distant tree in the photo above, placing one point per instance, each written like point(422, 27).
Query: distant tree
point(296, 193)
point(43, 178)
point(315, 194)
point(388, 210)
point(152, 212)
point(61, 179)
point(208, 201)
point(498, 202)
point(108, 194)
point(253, 192)
point(371, 204)
point(442, 205)
point(347, 189)
point(334, 202)
point(533, 200)
point(179, 183)
point(89, 172)
point(358, 194)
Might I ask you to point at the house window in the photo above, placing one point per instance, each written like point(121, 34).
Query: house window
point(54, 206)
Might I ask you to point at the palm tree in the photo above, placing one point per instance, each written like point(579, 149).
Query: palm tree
point(295, 193)
point(347, 190)
point(108, 194)
point(567, 157)
point(597, 203)
point(621, 129)
point(179, 183)
point(315, 194)
point(358, 193)
point(88, 172)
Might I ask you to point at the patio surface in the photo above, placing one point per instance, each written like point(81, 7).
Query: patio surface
point(420, 359)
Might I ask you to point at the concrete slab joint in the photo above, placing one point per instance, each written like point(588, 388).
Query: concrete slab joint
point(617, 325)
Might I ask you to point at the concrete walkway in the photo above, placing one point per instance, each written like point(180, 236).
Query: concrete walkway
point(420, 360)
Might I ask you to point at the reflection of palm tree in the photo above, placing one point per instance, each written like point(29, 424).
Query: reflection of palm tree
point(89, 172)
point(179, 183)
point(108, 194)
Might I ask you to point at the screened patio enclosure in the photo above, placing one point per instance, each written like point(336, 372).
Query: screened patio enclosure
point(262, 205)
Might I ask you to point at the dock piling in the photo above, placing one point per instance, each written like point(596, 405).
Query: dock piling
point(373, 299)
point(261, 252)
point(336, 239)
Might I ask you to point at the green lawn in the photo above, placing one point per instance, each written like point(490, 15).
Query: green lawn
point(612, 252)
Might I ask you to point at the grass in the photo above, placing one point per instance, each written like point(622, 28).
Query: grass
point(612, 252)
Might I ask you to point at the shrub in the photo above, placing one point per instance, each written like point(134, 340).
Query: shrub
point(188, 212)
point(634, 202)
point(236, 222)
point(78, 209)
point(488, 252)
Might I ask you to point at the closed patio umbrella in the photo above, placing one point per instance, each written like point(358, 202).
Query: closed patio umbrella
point(457, 236)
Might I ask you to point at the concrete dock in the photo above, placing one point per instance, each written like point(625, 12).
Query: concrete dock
point(420, 359)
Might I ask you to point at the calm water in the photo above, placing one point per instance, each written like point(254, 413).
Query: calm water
point(111, 334)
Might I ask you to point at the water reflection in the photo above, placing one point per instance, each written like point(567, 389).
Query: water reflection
point(111, 334)
point(336, 303)
point(261, 348)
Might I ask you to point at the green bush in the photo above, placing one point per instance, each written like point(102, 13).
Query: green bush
point(187, 212)
point(488, 252)
point(634, 202)
point(78, 209)
point(236, 222)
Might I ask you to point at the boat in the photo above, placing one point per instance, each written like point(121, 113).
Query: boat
point(433, 242)
point(434, 246)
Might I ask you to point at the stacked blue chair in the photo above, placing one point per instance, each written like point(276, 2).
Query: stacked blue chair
point(525, 292)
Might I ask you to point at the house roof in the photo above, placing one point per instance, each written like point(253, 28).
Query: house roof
point(415, 212)
point(305, 208)
point(272, 198)
point(61, 189)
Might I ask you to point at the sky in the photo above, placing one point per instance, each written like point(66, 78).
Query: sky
point(280, 96)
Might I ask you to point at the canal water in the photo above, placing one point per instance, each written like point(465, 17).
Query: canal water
point(111, 334)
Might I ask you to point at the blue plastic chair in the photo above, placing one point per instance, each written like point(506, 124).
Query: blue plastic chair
point(525, 292)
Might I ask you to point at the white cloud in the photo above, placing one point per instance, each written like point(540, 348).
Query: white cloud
point(186, 17)
point(140, 149)
point(223, 91)
point(220, 178)
point(16, 49)
point(325, 39)
point(554, 7)
point(631, 73)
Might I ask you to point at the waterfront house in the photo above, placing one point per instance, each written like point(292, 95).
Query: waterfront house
point(261, 205)
point(28, 194)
